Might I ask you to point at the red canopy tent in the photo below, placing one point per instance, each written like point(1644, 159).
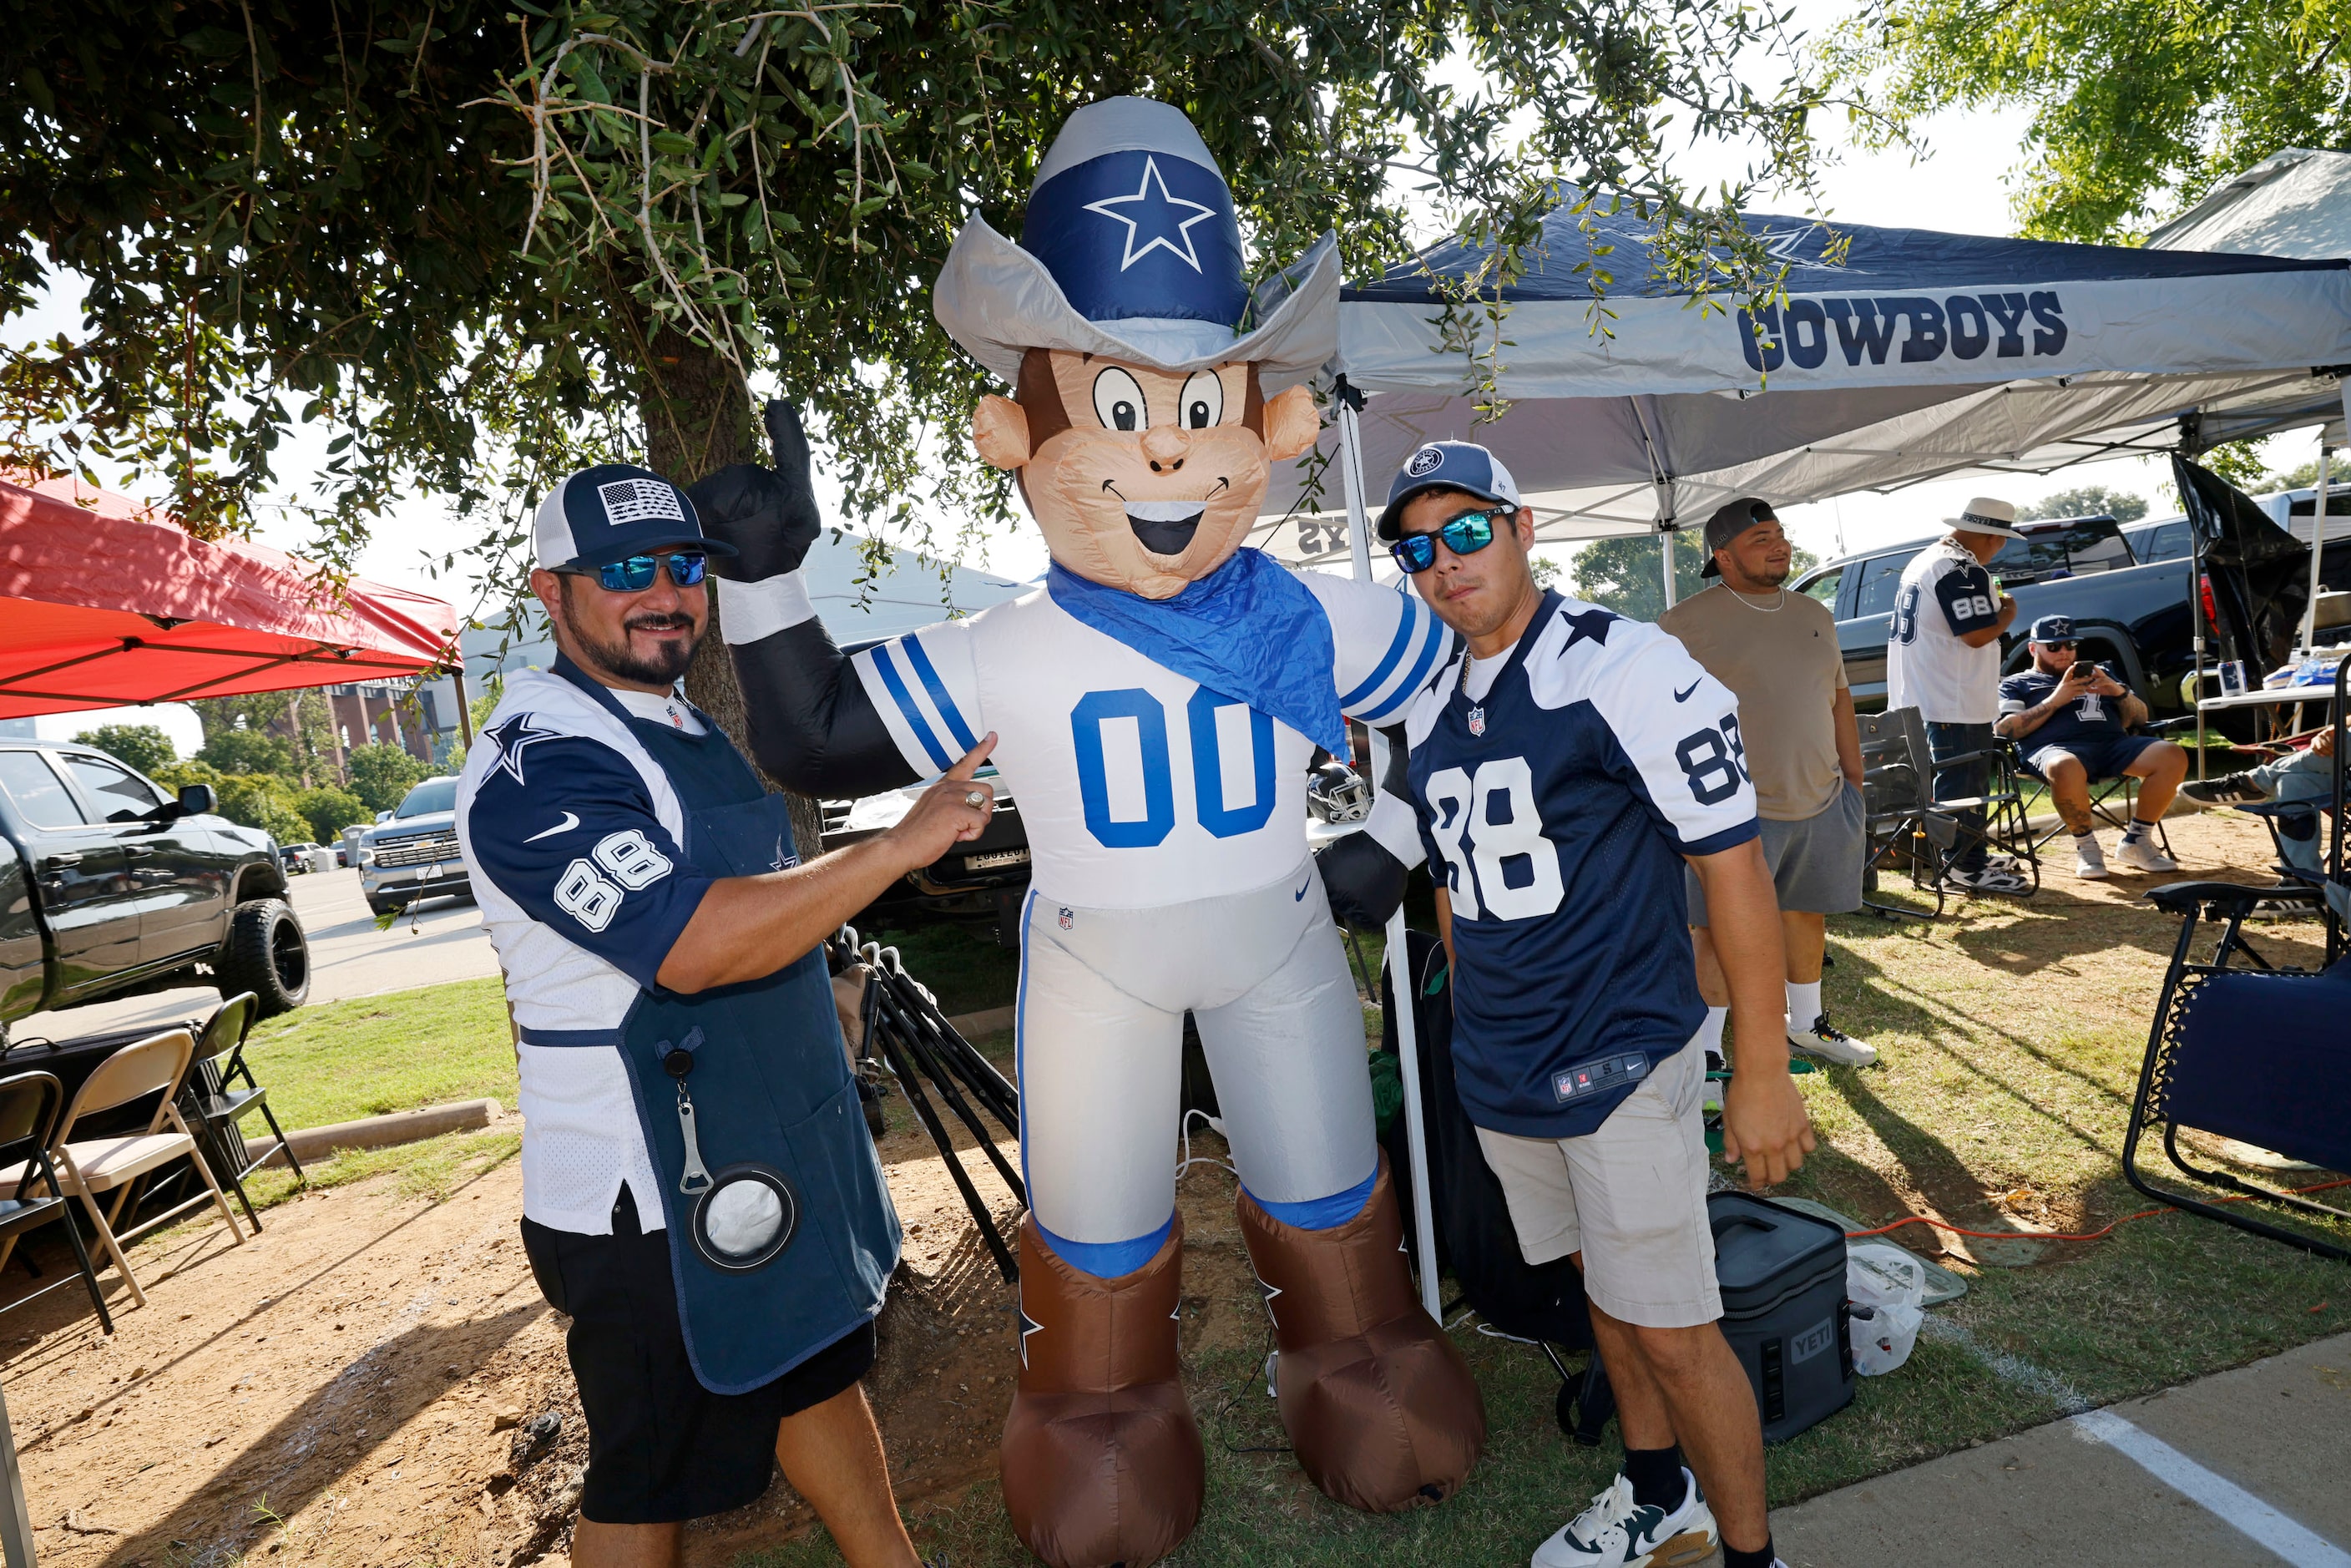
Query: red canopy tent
point(104, 603)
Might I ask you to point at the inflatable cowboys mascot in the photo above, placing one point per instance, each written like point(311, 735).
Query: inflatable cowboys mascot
point(1156, 705)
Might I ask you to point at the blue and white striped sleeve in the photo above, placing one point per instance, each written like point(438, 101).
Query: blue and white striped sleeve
point(1388, 641)
point(926, 689)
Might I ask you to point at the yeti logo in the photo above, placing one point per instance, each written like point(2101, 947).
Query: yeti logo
point(1428, 460)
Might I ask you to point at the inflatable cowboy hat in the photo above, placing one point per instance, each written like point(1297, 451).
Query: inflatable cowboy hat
point(1130, 250)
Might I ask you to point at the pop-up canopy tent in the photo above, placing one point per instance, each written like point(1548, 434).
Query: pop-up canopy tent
point(103, 604)
point(1896, 356)
point(1911, 355)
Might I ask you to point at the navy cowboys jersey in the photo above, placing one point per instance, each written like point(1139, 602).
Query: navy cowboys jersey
point(1555, 811)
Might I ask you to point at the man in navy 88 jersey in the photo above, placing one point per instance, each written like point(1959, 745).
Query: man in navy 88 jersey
point(1564, 769)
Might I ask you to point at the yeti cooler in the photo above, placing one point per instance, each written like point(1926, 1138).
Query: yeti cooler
point(1783, 1308)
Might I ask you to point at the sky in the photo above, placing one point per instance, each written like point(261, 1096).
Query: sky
point(1962, 186)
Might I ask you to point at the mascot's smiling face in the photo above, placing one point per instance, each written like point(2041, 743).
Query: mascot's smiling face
point(1142, 478)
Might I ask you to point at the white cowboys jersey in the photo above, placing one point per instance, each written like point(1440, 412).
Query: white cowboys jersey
point(1138, 787)
point(1944, 593)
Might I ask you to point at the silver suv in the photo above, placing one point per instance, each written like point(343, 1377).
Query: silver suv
point(413, 854)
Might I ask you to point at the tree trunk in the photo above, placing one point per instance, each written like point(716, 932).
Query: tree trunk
point(698, 419)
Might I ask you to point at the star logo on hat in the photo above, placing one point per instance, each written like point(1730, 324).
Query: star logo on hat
point(1160, 220)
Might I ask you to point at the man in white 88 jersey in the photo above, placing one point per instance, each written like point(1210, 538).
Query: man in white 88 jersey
point(1154, 707)
point(1942, 657)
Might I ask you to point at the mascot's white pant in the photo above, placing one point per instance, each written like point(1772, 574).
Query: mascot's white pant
point(1100, 1036)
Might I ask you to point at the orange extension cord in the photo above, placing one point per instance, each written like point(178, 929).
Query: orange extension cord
point(2101, 1233)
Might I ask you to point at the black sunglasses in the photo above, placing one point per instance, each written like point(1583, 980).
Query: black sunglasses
point(1465, 535)
point(634, 575)
point(2068, 647)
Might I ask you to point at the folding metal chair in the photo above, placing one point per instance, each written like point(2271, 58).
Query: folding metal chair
point(2256, 1054)
point(114, 1162)
point(214, 1097)
point(29, 1103)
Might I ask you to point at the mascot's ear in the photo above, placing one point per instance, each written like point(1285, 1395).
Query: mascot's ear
point(1290, 424)
point(1000, 428)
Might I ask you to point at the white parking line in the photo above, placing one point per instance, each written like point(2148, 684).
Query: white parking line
point(2217, 1495)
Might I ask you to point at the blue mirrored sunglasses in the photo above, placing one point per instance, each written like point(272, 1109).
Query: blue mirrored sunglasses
point(1465, 535)
point(636, 574)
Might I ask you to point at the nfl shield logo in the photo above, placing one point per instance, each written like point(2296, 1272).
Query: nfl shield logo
point(1477, 721)
point(1067, 915)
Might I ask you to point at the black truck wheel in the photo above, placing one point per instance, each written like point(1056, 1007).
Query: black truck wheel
point(267, 954)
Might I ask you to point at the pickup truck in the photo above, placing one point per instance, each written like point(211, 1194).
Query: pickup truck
point(412, 851)
point(109, 886)
point(2131, 615)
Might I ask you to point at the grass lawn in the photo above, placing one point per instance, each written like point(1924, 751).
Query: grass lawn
point(393, 1052)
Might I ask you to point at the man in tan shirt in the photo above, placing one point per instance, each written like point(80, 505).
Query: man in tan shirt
point(1777, 651)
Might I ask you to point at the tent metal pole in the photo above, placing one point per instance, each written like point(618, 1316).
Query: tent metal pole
point(2195, 614)
point(2317, 549)
point(1666, 554)
point(1398, 956)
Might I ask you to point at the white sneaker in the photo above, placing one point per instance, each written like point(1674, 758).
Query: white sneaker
point(1830, 1044)
point(1621, 1533)
point(2089, 859)
point(2141, 855)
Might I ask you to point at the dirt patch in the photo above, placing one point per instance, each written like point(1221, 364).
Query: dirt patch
point(375, 1379)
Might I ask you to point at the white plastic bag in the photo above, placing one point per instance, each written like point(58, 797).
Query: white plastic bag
point(1886, 1287)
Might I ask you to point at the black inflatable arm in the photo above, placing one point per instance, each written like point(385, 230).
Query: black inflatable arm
point(1364, 881)
point(812, 726)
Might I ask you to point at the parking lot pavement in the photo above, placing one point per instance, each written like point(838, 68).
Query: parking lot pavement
point(439, 941)
point(2243, 1467)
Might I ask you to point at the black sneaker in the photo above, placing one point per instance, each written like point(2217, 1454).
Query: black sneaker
point(2229, 790)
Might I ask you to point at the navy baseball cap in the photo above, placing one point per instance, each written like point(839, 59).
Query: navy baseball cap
point(611, 512)
point(2054, 628)
point(1447, 465)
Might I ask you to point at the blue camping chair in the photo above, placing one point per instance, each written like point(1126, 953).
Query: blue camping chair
point(2259, 1054)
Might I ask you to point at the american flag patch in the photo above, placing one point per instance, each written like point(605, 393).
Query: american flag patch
point(630, 501)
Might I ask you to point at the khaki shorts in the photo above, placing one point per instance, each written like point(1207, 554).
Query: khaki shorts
point(1630, 1197)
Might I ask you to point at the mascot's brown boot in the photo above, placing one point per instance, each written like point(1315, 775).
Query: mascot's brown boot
point(1101, 1459)
point(1379, 1405)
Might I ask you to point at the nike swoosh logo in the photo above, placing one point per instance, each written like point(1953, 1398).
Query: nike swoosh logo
point(565, 825)
point(1683, 695)
point(1299, 896)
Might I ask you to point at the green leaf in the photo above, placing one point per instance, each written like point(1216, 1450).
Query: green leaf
point(670, 144)
point(396, 46)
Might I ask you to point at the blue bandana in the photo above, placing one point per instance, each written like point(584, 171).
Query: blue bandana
point(1248, 631)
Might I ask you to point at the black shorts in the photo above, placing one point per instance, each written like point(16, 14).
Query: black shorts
point(661, 1447)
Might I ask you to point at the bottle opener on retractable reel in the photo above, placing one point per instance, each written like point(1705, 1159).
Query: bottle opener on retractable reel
point(744, 1214)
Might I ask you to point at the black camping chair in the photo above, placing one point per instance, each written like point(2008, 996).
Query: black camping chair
point(2244, 1049)
point(2113, 802)
point(1906, 834)
point(221, 1092)
point(29, 1104)
point(2007, 833)
point(1542, 1305)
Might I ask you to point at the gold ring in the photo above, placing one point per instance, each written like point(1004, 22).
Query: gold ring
point(975, 799)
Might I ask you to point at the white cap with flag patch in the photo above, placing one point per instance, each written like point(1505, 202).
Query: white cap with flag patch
point(611, 512)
